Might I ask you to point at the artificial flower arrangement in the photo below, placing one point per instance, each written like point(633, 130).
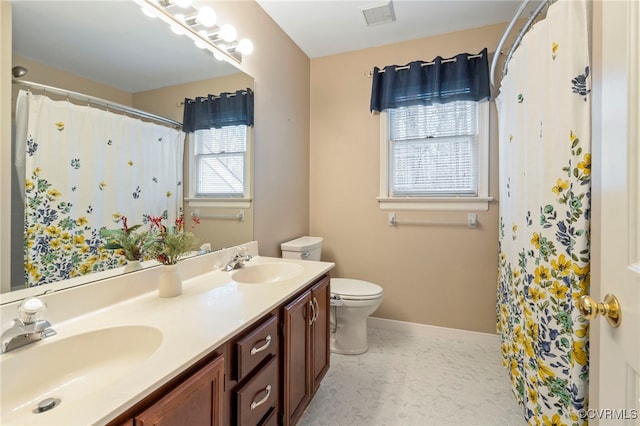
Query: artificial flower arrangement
point(131, 242)
point(170, 244)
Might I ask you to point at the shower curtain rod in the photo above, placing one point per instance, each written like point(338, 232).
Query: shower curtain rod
point(98, 101)
point(518, 39)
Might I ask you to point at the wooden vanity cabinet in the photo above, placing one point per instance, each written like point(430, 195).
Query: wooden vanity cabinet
point(306, 348)
point(264, 376)
point(196, 401)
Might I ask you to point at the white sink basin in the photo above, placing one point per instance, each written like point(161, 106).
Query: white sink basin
point(71, 367)
point(264, 273)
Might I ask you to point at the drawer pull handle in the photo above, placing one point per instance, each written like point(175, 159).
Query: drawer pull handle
point(255, 404)
point(255, 350)
point(313, 312)
point(315, 301)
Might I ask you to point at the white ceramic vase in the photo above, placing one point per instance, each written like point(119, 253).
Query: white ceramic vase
point(170, 282)
point(132, 265)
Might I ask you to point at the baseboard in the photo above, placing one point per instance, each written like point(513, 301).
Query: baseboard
point(432, 331)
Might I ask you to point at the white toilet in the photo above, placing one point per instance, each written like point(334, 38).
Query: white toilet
point(352, 301)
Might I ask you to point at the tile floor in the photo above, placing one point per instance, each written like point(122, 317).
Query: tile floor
point(408, 378)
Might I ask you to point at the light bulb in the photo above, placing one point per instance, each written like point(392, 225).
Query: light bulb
point(228, 33)
point(182, 3)
point(218, 56)
point(245, 46)
point(177, 29)
point(206, 16)
point(201, 44)
point(149, 11)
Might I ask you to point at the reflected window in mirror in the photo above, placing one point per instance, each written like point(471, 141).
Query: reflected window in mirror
point(220, 131)
point(220, 161)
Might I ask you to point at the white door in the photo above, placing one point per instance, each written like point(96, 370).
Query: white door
point(614, 390)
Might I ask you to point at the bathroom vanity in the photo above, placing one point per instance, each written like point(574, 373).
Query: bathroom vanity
point(244, 347)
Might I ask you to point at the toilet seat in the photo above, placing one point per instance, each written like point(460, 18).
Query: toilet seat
point(350, 289)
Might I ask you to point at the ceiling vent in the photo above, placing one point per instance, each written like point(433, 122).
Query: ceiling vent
point(378, 13)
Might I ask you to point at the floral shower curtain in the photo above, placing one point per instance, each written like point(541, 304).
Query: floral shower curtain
point(545, 164)
point(86, 168)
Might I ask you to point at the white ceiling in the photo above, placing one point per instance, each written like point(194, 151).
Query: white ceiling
point(327, 27)
point(113, 43)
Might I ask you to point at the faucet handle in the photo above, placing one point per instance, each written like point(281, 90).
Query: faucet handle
point(30, 309)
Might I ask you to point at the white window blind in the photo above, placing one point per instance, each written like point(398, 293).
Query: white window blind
point(433, 150)
point(220, 161)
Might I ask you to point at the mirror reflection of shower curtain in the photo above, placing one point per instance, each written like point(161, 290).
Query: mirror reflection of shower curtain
point(545, 196)
point(84, 168)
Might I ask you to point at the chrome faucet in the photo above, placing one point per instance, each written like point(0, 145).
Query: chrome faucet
point(28, 327)
point(238, 260)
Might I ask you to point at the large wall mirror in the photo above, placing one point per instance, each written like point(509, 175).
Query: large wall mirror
point(111, 50)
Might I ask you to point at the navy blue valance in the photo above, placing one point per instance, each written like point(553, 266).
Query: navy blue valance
point(216, 111)
point(463, 77)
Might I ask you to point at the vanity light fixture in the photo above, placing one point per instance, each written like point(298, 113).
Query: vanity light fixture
point(199, 24)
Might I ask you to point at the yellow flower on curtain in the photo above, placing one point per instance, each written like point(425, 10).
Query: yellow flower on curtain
point(559, 290)
point(554, 49)
point(555, 420)
point(54, 193)
point(536, 294)
point(541, 274)
point(536, 240)
point(561, 266)
point(585, 164)
point(579, 353)
point(561, 186)
point(52, 231)
point(533, 395)
point(545, 372)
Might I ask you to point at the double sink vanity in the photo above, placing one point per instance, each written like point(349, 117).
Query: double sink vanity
point(245, 347)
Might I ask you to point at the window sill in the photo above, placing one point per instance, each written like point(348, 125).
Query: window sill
point(436, 203)
point(232, 203)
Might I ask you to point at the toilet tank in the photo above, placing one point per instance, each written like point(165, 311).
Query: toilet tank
point(306, 248)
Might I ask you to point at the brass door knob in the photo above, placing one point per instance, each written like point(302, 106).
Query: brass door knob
point(610, 309)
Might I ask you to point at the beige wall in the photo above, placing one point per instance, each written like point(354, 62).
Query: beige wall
point(439, 275)
point(44, 74)
point(281, 73)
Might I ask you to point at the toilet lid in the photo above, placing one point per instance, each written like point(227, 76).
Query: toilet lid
point(348, 288)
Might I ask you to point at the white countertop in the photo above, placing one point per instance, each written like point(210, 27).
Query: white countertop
point(212, 309)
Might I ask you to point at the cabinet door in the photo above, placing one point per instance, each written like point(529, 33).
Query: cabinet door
point(297, 359)
point(196, 401)
point(320, 298)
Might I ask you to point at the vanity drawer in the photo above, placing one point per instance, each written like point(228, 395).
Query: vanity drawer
point(256, 346)
point(259, 396)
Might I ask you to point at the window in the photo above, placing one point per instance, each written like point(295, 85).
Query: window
point(435, 157)
point(220, 163)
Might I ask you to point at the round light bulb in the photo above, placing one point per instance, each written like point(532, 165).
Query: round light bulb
point(149, 11)
point(245, 46)
point(228, 32)
point(218, 56)
point(206, 16)
point(182, 3)
point(201, 44)
point(177, 30)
